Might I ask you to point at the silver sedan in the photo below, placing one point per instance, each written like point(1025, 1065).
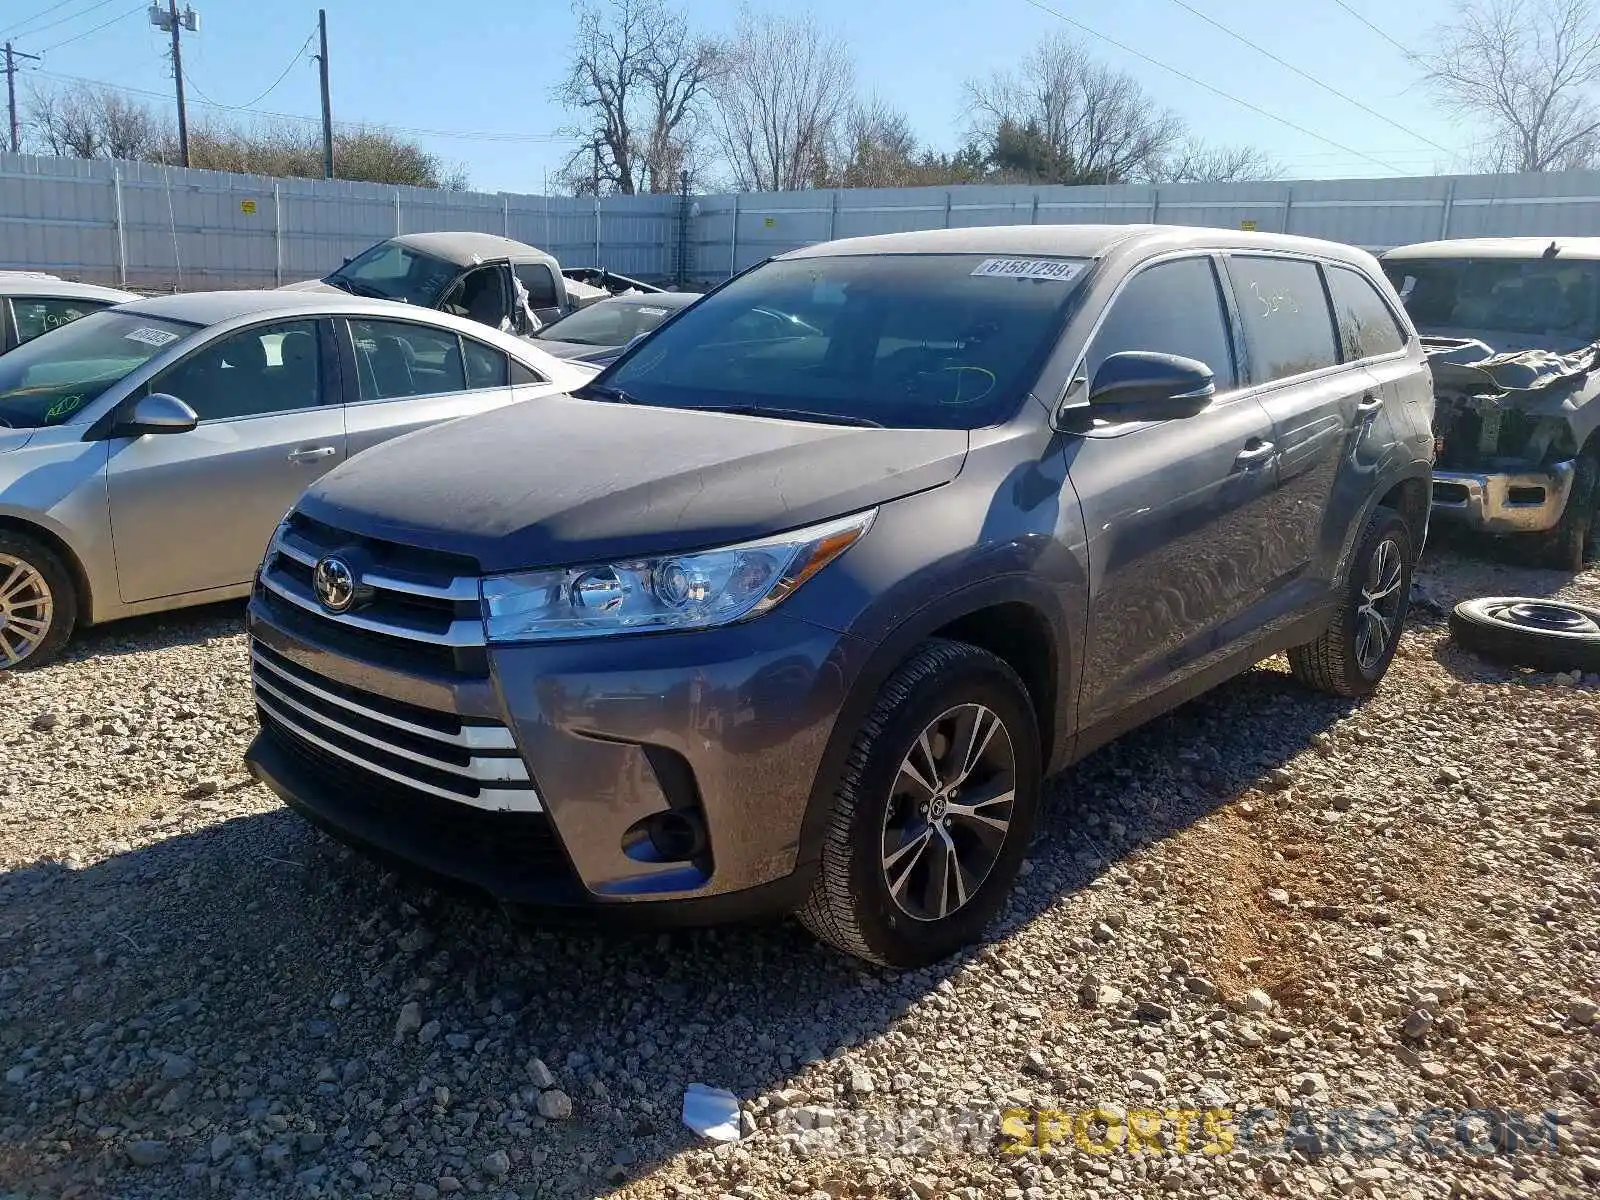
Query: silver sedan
point(147, 452)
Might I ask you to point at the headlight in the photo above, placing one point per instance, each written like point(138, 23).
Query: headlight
point(674, 591)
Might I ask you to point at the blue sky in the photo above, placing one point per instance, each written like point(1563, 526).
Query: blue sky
point(480, 73)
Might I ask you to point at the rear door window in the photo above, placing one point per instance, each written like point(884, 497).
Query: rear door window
point(395, 359)
point(1173, 307)
point(1288, 328)
point(1367, 325)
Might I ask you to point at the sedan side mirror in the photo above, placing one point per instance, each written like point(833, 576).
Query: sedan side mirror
point(1141, 385)
point(157, 413)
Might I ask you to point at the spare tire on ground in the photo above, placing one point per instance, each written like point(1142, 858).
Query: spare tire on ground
point(1548, 635)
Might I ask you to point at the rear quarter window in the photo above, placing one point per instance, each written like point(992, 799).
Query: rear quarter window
point(1367, 325)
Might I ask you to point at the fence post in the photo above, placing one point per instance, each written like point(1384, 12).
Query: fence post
point(397, 212)
point(733, 240)
point(1155, 206)
point(121, 228)
point(1033, 210)
point(947, 208)
point(505, 215)
point(597, 229)
point(1449, 203)
point(833, 213)
point(277, 234)
point(1288, 206)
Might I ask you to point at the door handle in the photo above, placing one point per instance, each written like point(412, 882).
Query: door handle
point(1251, 455)
point(1369, 405)
point(310, 454)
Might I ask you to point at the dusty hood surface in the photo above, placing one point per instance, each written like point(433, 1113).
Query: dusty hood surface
point(564, 481)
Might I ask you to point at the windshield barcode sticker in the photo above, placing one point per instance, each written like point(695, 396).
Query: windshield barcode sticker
point(1028, 268)
point(653, 312)
point(151, 337)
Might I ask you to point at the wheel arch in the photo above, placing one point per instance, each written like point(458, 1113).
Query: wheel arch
point(1014, 618)
point(62, 549)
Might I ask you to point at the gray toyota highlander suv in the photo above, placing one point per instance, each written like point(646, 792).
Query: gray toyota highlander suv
point(796, 615)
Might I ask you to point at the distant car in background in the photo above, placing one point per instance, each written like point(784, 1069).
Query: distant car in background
point(32, 303)
point(148, 451)
point(598, 333)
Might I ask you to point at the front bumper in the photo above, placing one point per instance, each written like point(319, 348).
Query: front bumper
point(1504, 502)
point(726, 726)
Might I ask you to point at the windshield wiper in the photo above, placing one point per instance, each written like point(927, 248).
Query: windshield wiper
point(794, 414)
point(603, 392)
point(354, 288)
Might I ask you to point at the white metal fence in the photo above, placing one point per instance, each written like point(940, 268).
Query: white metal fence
point(156, 227)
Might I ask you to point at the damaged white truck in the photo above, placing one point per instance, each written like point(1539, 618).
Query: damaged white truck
point(1512, 331)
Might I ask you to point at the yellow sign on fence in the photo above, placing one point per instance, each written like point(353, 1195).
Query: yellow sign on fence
point(1248, 226)
point(247, 207)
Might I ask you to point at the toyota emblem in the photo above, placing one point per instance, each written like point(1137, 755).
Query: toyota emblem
point(335, 584)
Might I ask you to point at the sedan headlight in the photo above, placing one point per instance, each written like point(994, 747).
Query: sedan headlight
point(673, 591)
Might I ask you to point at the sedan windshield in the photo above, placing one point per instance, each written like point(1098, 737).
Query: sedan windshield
point(389, 271)
point(1546, 297)
point(949, 341)
point(608, 322)
point(47, 380)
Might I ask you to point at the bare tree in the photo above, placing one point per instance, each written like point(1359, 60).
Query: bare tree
point(89, 122)
point(1526, 71)
point(1079, 120)
point(639, 77)
point(782, 102)
point(1194, 161)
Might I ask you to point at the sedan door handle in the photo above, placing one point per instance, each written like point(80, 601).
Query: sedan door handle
point(310, 454)
point(1251, 455)
point(1369, 405)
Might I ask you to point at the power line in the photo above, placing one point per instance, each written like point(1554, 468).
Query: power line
point(1200, 83)
point(60, 20)
point(87, 32)
point(272, 87)
point(460, 134)
point(1327, 87)
point(1374, 28)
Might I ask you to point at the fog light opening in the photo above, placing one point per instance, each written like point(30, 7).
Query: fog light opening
point(676, 835)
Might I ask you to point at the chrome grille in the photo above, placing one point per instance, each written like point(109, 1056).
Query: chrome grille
point(434, 753)
point(418, 609)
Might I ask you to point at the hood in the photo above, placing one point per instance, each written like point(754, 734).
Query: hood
point(557, 482)
point(1503, 340)
point(311, 285)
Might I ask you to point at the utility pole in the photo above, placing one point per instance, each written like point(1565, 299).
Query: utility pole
point(170, 22)
point(11, 92)
point(327, 105)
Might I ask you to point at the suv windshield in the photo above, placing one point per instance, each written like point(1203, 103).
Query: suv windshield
point(45, 381)
point(389, 271)
point(1544, 297)
point(947, 341)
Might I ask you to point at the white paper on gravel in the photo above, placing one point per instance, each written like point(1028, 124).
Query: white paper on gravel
point(711, 1112)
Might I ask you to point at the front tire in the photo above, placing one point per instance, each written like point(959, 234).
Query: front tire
point(38, 603)
point(1352, 655)
point(934, 812)
point(1571, 542)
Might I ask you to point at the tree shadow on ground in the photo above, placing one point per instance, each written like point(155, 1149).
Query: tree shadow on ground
point(276, 963)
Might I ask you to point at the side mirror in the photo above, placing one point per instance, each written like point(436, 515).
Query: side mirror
point(1141, 385)
point(157, 413)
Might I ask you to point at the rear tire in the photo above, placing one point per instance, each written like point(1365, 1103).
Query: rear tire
point(1349, 659)
point(38, 603)
point(916, 798)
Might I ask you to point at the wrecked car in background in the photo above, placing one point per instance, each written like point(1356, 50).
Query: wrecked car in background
point(505, 284)
point(1512, 330)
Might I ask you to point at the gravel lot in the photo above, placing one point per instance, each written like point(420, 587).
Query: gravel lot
point(1266, 900)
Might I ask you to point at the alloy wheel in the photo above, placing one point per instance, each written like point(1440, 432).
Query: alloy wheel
point(1378, 614)
point(26, 610)
point(949, 811)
